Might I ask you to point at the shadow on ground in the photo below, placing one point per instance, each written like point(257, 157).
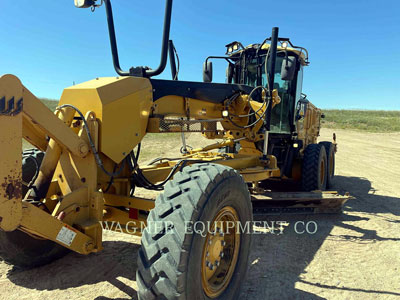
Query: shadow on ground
point(117, 260)
point(286, 255)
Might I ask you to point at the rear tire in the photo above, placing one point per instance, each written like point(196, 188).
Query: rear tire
point(16, 247)
point(313, 172)
point(330, 152)
point(170, 261)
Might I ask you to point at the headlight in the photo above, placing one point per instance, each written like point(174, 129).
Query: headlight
point(84, 3)
point(232, 47)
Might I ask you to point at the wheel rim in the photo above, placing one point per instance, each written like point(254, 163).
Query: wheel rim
point(322, 172)
point(220, 252)
point(331, 165)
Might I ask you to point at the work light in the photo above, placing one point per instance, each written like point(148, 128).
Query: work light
point(232, 47)
point(84, 3)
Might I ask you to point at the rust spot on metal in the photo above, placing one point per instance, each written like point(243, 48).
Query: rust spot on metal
point(10, 191)
point(12, 187)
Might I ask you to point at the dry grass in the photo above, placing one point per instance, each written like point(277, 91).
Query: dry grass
point(365, 120)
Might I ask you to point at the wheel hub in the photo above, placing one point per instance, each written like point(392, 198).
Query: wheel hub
point(220, 252)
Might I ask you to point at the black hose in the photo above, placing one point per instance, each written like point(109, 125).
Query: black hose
point(255, 112)
point(91, 143)
point(110, 183)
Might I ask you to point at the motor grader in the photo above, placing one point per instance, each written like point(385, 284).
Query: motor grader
point(84, 169)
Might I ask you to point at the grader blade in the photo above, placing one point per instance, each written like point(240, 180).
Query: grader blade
point(298, 202)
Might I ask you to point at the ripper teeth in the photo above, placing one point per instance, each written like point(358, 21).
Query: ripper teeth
point(10, 110)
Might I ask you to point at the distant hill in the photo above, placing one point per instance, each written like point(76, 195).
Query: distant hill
point(50, 103)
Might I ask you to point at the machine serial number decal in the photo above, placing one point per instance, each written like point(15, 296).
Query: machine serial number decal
point(66, 236)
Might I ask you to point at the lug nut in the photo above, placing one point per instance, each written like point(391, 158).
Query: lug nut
point(211, 267)
point(223, 243)
point(221, 254)
point(220, 231)
point(207, 254)
point(217, 263)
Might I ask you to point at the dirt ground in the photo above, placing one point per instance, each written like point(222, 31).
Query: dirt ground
point(353, 255)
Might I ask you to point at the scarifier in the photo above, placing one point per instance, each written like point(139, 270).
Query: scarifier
point(84, 170)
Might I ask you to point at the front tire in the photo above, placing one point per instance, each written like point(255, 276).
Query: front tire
point(177, 263)
point(313, 171)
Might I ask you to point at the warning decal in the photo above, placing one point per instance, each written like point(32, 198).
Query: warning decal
point(66, 236)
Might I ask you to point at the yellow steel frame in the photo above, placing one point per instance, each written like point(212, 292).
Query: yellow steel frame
point(119, 112)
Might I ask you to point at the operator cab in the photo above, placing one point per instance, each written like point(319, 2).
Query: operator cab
point(247, 66)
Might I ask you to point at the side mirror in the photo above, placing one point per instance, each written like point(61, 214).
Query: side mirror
point(207, 71)
point(288, 68)
point(302, 106)
point(84, 3)
point(230, 72)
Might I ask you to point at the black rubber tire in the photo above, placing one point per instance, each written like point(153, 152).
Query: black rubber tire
point(30, 158)
point(16, 247)
point(169, 264)
point(314, 156)
point(330, 152)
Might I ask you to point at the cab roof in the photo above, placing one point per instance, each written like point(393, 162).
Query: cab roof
point(299, 53)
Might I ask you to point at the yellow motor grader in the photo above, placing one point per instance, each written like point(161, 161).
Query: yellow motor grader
point(84, 169)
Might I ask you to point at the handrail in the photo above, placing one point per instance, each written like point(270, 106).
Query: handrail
point(139, 71)
point(113, 40)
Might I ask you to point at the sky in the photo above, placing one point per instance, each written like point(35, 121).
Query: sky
point(353, 44)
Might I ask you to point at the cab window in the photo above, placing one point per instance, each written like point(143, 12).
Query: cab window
point(281, 113)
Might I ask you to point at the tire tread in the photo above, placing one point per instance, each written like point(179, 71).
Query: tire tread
point(162, 262)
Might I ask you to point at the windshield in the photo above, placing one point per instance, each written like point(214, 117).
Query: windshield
point(281, 113)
